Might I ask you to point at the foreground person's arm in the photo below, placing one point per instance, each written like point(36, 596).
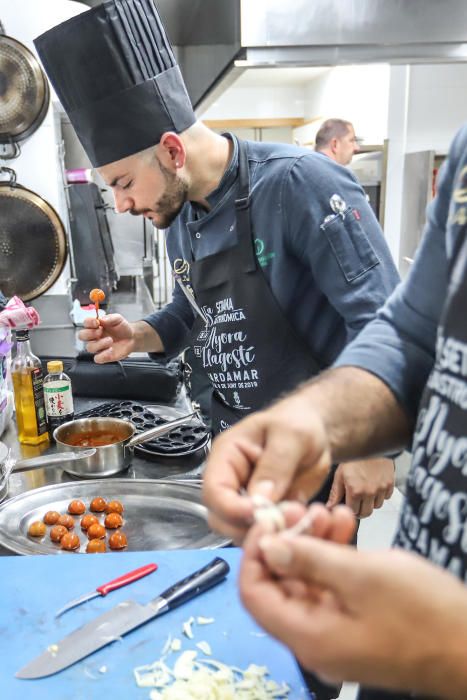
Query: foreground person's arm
point(286, 451)
point(385, 619)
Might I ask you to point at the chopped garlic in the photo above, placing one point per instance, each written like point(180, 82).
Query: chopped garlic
point(204, 620)
point(187, 631)
point(205, 648)
point(52, 649)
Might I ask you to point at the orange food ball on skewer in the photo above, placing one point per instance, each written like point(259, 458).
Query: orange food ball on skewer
point(97, 296)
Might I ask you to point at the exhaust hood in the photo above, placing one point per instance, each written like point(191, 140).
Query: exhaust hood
point(216, 40)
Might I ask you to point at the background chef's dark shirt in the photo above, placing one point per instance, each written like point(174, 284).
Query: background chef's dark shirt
point(328, 277)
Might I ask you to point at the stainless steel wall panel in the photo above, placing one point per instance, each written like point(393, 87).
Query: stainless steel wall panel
point(340, 22)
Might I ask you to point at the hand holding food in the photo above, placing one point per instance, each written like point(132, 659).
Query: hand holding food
point(357, 616)
point(266, 454)
point(110, 339)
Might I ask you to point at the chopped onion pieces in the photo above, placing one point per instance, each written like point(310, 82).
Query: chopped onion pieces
point(205, 648)
point(187, 631)
point(176, 645)
point(208, 679)
point(204, 620)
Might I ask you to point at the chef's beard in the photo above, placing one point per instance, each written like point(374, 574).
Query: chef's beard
point(170, 204)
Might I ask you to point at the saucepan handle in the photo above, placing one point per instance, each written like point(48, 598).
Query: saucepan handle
point(160, 430)
point(23, 465)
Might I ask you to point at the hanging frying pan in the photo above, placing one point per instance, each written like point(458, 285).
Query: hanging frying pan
point(33, 244)
point(24, 93)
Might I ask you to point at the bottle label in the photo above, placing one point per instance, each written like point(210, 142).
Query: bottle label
point(37, 380)
point(58, 398)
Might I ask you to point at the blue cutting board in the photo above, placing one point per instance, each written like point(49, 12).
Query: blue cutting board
point(32, 588)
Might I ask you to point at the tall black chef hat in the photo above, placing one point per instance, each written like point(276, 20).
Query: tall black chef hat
point(115, 74)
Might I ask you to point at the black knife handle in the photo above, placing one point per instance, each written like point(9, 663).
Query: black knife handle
point(196, 583)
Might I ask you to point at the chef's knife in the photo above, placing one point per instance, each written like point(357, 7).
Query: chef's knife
point(121, 619)
point(109, 587)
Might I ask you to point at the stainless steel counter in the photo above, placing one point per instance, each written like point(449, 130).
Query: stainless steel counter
point(180, 469)
point(171, 468)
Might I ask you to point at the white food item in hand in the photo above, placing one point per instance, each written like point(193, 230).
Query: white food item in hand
point(271, 514)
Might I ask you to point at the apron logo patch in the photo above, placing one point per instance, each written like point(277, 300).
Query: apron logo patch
point(181, 269)
point(263, 258)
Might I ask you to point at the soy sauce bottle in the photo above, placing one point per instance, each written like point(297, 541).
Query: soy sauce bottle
point(58, 396)
point(28, 379)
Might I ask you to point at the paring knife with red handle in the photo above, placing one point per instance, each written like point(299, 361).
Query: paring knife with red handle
point(121, 619)
point(110, 586)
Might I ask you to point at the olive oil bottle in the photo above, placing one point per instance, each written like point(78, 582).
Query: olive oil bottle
point(28, 381)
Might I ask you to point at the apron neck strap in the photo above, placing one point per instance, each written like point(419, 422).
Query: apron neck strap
point(242, 211)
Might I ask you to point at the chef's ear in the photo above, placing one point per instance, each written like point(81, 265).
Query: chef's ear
point(333, 144)
point(173, 149)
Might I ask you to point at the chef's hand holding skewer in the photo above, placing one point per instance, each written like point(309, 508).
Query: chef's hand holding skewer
point(112, 338)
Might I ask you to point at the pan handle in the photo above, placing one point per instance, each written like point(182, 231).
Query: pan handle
point(22, 465)
point(160, 430)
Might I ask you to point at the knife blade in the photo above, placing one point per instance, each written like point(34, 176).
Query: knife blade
point(123, 618)
point(124, 580)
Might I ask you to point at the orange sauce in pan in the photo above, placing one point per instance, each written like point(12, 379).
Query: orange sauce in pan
point(93, 438)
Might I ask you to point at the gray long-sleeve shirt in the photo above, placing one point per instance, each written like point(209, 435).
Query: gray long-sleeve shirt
point(329, 273)
point(399, 346)
point(402, 346)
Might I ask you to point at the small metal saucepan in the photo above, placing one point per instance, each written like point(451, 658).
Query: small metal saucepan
point(113, 440)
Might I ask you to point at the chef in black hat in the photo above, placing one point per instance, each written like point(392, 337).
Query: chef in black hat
point(277, 256)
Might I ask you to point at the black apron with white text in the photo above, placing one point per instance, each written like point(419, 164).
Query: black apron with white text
point(246, 345)
point(433, 520)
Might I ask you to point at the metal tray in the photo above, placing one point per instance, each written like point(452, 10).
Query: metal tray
point(158, 515)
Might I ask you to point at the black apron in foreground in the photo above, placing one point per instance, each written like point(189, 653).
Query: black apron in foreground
point(246, 345)
point(433, 521)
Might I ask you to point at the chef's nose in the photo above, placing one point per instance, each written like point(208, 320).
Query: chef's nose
point(123, 202)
